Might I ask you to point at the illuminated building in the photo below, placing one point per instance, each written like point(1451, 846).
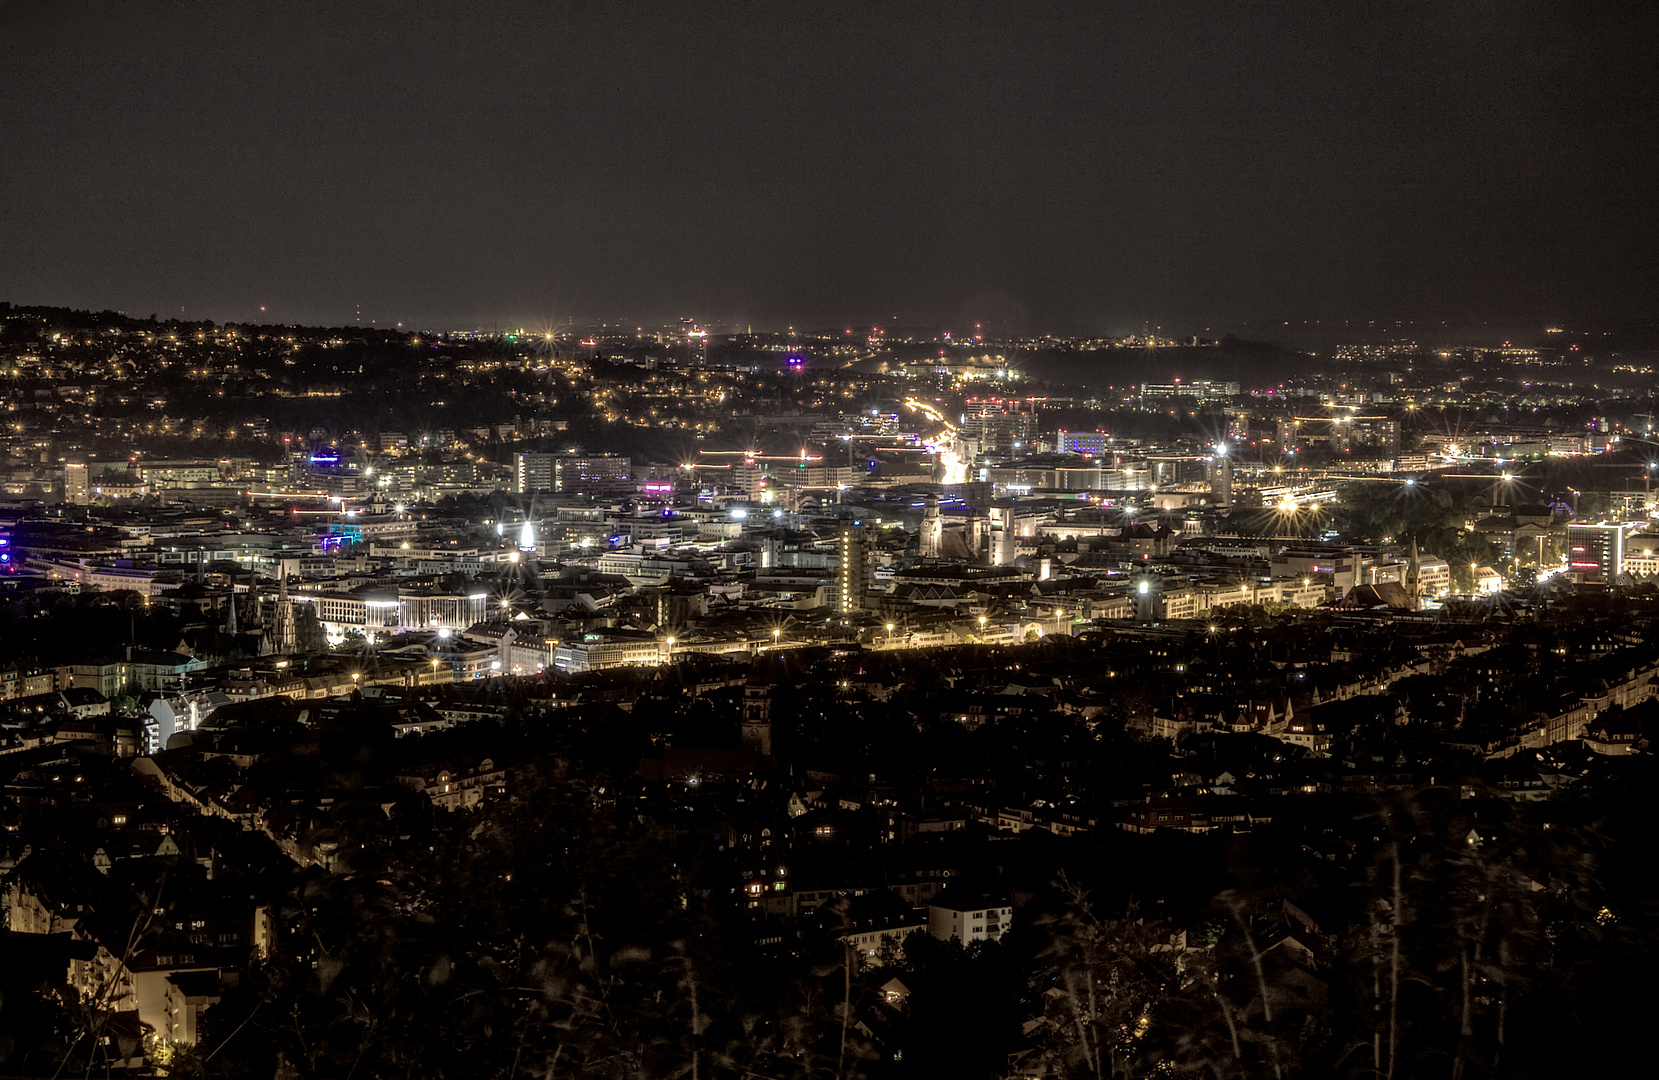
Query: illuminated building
point(856, 570)
point(1221, 477)
point(1377, 436)
point(999, 425)
point(1081, 442)
point(1202, 389)
point(1595, 552)
point(534, 472)
point(76, 487)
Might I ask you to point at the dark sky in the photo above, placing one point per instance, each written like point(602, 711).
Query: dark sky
point(1061, 167)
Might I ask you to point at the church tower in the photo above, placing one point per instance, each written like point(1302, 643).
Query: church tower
point(933, 529)
point(284, 635)
point(757, 716)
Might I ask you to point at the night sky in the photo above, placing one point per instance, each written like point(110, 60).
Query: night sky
point(1040, 166)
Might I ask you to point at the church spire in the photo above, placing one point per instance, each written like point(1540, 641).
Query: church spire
point(1414, 576)
point(230, 608)
point(284, 637)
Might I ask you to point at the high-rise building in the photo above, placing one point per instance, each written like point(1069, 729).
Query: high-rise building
point(533, 472)
point(77, 489)
point(999, 424)
point(1596, 552)
point(568, 472)
point(1221, 479)
point(857, 569)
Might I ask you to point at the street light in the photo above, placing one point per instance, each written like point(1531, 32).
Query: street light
point(889, 635)
point(775, 633)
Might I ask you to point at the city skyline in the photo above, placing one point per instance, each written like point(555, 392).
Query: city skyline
point(1060, 172)
point(845, 674)
point(832, 539)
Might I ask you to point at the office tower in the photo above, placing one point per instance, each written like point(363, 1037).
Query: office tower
point(856, 569)
point(1596, 552)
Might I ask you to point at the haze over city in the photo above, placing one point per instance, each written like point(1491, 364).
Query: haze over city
point(789, 541)
point(1059, 168)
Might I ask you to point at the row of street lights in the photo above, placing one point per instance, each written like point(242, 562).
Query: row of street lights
point(777, 635)
point(356, 675)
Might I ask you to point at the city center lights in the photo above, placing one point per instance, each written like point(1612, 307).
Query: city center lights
point(719, 584)
point(757, 577)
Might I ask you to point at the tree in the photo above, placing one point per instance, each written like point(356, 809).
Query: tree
point(126, 698)
point(1102, 979)
point(309, 635)
point(535, 936)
